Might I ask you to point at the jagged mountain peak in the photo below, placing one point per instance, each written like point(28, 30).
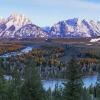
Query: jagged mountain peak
point(19, 26)
point(73, 21)
point(76, 28)
point(18, 19)
point(2, 20)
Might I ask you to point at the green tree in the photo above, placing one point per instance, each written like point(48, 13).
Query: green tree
point(32, 88)
point(73, 87)
point(85, 95)
point(2, 85)
point(49, 94)
point(57, 93)
point(98, 84)
point(14, 86)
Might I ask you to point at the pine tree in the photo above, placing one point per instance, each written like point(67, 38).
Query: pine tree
point(73, 87)
point(32, 88)
point(49, 94)
point(85, 95)
point(2, 85)
point(98, 84)
point(14, 86)
point(57, 93)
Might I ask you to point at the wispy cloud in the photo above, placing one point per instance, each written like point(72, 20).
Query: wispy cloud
point(49, 2)
point(88, 4)
point(55, 10)
point(69, 4)
point(93, 1)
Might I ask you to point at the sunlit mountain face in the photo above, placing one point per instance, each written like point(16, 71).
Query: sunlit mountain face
point(18, 26)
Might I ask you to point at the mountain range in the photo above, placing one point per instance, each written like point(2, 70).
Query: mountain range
point(19, 27)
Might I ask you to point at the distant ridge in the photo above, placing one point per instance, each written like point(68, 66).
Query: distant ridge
point(19, 27)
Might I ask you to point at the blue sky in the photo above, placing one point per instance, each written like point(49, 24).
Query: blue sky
point(48, 12)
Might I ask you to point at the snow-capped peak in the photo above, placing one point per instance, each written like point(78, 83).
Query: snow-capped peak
point(17, 25)
point(76, 28)
point(2, 20)
point(95, 40)
point(18, 20)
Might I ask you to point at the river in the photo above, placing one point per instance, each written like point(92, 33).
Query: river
point(87, 81)
point(22, 51)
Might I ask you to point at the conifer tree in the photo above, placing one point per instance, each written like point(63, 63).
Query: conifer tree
point(14, 86)
point(85, 95)
point(98, 84)
point(2, 85)
point(32, 88)
point(57, 93)
point(73, 87)
point(49, 94)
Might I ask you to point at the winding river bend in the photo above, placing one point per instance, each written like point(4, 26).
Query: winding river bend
point(22, 51)
point(87, 80)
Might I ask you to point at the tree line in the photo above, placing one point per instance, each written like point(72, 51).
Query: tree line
point(30, 87)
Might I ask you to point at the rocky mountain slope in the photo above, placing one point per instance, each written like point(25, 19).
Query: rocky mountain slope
point(76, 28)
point(18, 26)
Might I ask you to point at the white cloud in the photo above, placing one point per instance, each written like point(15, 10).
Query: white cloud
point(68, 3)
point(49, 2)
point(55, 10)
point(63, 9)
point(88, 5)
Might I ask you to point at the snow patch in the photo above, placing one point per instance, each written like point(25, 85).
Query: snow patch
point(95, 40)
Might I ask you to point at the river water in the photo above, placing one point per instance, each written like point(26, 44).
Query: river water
point(88, 80)
point(25, 50)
